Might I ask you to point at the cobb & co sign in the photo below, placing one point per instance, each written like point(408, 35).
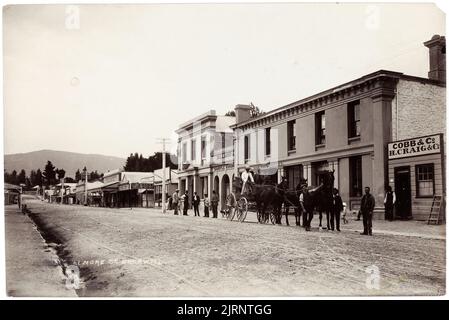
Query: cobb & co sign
point(414, 147)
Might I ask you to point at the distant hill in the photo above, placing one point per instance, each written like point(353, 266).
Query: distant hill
point(69, 161)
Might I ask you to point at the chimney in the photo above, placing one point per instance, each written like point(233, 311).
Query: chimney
point(437, 57)
point(242, 113)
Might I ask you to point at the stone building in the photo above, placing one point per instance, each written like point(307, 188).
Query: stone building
point(347, 129)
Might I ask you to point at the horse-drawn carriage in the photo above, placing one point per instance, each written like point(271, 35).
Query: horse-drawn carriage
point(270, 199)
point(257, 196)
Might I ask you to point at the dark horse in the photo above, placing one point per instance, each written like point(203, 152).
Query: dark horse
point(265, 194)
point(291, 199)
point(319, 199)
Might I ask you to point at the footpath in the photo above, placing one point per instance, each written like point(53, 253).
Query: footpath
point(32, 268)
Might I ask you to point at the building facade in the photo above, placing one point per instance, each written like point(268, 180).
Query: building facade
point(347, 129)
point(171, 184)
point(205, 155)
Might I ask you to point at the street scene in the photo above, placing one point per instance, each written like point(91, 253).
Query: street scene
point(224, 158)
point(143, 252)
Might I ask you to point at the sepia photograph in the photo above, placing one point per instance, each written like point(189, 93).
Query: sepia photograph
point(224, 150)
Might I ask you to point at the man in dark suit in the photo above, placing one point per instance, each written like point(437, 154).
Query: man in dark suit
point(186, 203)
point(337, 207)
point(196, 204)
point(367, 208)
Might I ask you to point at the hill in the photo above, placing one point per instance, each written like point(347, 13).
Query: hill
point(69, 161)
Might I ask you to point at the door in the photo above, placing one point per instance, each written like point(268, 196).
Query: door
point(403, 192)
point(191, 191)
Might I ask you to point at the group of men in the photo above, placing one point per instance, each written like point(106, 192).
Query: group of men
point(178, 201)
point(366, 206)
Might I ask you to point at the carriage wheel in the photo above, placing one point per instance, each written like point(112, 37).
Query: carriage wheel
point(242, 209)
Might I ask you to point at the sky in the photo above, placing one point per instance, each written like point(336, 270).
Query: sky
point(126, 75)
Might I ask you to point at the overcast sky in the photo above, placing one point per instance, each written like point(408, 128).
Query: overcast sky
point(133, 73)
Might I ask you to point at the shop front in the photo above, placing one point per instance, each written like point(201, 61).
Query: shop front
point(416, 174)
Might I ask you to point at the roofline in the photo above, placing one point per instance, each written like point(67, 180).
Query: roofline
point(367, 77)
point(209, 114)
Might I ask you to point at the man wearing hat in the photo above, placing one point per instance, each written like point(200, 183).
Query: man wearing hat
point(175, 201)
point(247, 175)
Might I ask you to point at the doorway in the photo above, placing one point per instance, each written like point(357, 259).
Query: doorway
point(403, 192)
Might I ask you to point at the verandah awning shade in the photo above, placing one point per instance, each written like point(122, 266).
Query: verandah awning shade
point(111, 187)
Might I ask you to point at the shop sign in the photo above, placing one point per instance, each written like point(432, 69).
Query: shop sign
point(414, 147)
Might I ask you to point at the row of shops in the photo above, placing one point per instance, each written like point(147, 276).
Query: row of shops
point(118, 189)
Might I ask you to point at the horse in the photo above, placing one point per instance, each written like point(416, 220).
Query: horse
point(319, 199)
point(265, 195)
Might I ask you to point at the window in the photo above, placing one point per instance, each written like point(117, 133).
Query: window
point(320, 124)
point(291, 135)
point(246, 147)
point(203, 150)
point(193, 150)
point(354, 119)
point(223, 146)
point(184, 152)
point(355, 176)
point(424, 180)
point(267, 141)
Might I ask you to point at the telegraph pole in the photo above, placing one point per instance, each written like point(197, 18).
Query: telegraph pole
point(163, 141)
point(85, 190)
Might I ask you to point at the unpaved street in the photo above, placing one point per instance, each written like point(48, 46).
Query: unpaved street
point(124, 252)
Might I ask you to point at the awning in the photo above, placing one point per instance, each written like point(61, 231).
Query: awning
point(111, 187)
point(143, 190)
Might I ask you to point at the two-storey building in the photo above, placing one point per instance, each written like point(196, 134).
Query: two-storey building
point(205, 155)
point(347, 129)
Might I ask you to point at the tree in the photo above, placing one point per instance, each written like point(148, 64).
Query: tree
point(94, 175)
point(61, 173)
point(39, 179)
point(21, 178)
point(32, 178)
point(49, 174)
point(138, 163)
point(13, 177)
point(78, 176)
point(255, 111)
point(69, 180)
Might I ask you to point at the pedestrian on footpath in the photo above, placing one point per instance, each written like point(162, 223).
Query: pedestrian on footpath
point(389, 201)
point(337, 207)
point(186, 203)
point(367, 208)
point(206, 206)
point(214, 202)
point(175, 201)
point(196, 204)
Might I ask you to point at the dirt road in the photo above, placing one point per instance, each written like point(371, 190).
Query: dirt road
point(123, 252)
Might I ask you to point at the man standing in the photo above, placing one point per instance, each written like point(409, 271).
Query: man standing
point(186, 203)
point(367, 207)
point(390, 199)
point(196, 204)
point(214, 202)
point(206, 206)
point(337, 207)
point(175, 200)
